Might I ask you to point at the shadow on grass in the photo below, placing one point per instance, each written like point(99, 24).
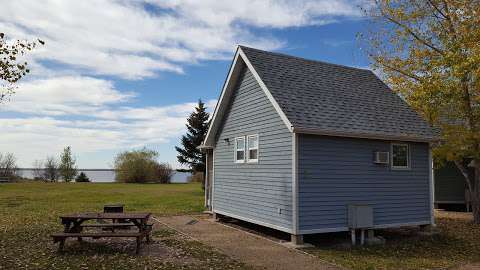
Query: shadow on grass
point(269, 233)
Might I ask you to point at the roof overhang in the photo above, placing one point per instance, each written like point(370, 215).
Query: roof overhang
point(204, 148)
point(360, 135)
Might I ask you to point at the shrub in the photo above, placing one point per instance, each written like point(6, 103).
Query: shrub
point(82, 177)
point(141, 166)
point(8, 166)
point(164, 173)
point(197, 177)
point(38, 170)
point(51, 169)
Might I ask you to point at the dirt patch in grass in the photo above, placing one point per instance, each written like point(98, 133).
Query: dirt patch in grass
point(190, 253)
point(458, 243)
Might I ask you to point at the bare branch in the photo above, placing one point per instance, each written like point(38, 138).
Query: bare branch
point(412, 33)
point(411, 76)
point(437, 9)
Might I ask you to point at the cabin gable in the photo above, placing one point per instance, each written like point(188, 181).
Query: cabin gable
point(258, 192)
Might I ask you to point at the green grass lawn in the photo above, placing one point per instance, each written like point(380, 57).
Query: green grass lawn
point(29, 212)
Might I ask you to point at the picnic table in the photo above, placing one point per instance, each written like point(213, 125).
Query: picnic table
point(74, 225)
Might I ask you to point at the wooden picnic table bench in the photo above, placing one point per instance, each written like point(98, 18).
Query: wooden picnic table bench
point(73, 227)
point(108, 225)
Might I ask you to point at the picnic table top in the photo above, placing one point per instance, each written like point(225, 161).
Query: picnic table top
point(102, 215)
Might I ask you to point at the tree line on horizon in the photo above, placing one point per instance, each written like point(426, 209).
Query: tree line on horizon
point(135, 166)
point(132, 166)
point(50, 169)
point(64, 168)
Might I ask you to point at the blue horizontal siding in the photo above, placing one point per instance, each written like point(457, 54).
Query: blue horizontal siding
point(254, 191)
point(334, 172)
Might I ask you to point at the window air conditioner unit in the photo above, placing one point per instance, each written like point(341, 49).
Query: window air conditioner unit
point(380, 157)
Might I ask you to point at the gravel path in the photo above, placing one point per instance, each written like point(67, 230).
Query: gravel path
point(250, 249)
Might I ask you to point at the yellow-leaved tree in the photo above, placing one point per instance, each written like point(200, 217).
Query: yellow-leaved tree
point(429, 52)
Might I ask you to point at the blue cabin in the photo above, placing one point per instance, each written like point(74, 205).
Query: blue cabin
point(294, 143)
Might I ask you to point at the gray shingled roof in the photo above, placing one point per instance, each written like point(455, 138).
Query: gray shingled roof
point(333, 99)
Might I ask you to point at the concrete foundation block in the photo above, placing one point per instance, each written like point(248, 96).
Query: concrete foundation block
point(428, 230)
point(296, 239)
point(375, 240)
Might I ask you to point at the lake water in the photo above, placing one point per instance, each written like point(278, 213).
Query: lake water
point(106, 175)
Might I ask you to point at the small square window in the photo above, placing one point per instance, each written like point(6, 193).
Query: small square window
point(240, 149)
point(252, 142)
point(400, 156)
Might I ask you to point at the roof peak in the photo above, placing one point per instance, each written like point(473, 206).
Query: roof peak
point(304, 59)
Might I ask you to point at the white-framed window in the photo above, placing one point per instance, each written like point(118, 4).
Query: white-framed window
point(400, 156)
point(252, 148)
point(239, 155)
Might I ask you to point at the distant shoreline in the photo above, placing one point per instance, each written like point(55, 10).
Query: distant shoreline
point(83, 170)
point(104, 175)
point(86, 170)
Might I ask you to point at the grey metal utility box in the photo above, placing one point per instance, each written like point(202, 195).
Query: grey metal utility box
point(360, 216)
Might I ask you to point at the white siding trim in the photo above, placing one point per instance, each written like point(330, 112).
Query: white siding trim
point(431, 185)
point(295, 211)
point(207, 183)
point(266, 91)
point(379, 226)
point(266, 224)
point(324, 230)
point(227, 84)
point(404, 224)
point(213, 179)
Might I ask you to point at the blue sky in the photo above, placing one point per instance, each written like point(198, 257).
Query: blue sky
point(117, 75)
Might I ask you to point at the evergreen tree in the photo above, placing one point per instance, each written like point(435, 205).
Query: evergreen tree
point(197, 127)
point(82, 177)
point(67, 167)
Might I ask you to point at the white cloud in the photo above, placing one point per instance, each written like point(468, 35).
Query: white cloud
point(34, 137)
point(65, 102)
point(262, 13)
point(64, 95)
point(125, 39)
point(89, 114)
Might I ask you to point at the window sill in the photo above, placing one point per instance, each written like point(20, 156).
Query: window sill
point(401, 168)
